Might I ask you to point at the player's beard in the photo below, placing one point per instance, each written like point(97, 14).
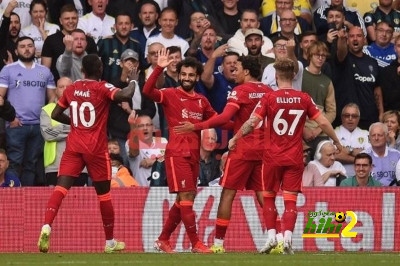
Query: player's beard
point(26, 59)
point(187, 88)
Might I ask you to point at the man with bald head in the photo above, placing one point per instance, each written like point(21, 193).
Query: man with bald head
point(355, 77)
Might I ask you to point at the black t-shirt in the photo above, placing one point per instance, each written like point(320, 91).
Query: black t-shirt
point(54, 47)
point(390, 83)
point(355, 80)
point(229, 24)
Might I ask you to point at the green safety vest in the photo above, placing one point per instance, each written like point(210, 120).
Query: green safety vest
point(50, 147)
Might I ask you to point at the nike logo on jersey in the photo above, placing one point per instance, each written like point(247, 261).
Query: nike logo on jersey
point(182, 99)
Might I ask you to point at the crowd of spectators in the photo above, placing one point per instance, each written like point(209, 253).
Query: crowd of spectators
point(346, 54)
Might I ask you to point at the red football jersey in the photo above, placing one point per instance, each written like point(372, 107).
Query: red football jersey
point(286, 111)
point(89, 103)
point(180, 106)
point(245, 98)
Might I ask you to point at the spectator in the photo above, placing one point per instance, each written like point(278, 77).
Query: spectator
point(311, 174)
point(198, 24)
point(209, 164)
point(287, 24)
point(39, 29)
point(111, 47)
point(185, 8)
point(120, 176)
point(389, 81)
point(25, 84)
point(148, 15)
point(270, 24)
point(118, 126)
point(335, 18)
point(253, 41)
point(352, 17)
point(386, 160)
point(69, 64)
point(168, 22)
point(321, 90)
point(332, 171)
point(353, 138)
point(382, 49)
point(132, 7)
point(144, 149)
point(384, 12)
point(355, 78)
point(54, 135)
point(362, 168)
point(301, 8)
point(113, 147)
point(220, 83)
point(152, 57)
point(97, 23)
point(9, 33)
point(249, 20)
point(283, 48)
point(392, 121)
point(55, 7)
point(229, 17)
point(54, 45)
point(6, 179)
point(22, 10)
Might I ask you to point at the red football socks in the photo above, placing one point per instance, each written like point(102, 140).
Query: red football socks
point(290, 215)
point(54, 204)
point(107, 214)
point(174, 218)
point(269, 210)
point(221, 226)
point(189, 220)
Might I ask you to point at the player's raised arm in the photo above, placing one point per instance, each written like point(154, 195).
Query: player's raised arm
point(327, 128)
point(125, 95)
point(149, 88)
point(246, 129)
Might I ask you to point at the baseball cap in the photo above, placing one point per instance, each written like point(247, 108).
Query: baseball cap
point(129, 53)
point(253, 31)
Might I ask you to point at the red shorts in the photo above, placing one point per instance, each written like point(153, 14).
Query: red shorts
point(240, 174)
point(283, 177)
point(98, 166)
point(182, 174)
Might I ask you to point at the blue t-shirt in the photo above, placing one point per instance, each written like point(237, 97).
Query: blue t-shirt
point(10, 181)
point(26, 89)
point(383, 56)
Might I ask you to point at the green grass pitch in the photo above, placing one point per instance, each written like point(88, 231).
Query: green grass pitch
point(181, 259)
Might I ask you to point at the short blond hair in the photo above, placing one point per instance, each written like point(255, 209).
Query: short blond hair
point(284, 68)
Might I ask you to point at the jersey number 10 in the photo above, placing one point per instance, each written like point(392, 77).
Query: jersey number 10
point(81, 116)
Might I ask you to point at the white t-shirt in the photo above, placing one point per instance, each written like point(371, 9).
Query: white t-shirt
point(331, 182)
point(268, 77)
point(33, 32)
point(156, 149)
point(96, 27)
point(236, 44)
point(22, 10)
point(358, 139)
point(174, 41)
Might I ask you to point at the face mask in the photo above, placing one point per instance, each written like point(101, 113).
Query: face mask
point(114, 171)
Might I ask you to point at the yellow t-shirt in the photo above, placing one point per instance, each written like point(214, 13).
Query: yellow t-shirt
point(300, 6)
point(362, 6)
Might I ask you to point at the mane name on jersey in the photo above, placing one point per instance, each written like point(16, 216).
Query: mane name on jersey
point(256, 95)
point(288, 100)
point(85, 94)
